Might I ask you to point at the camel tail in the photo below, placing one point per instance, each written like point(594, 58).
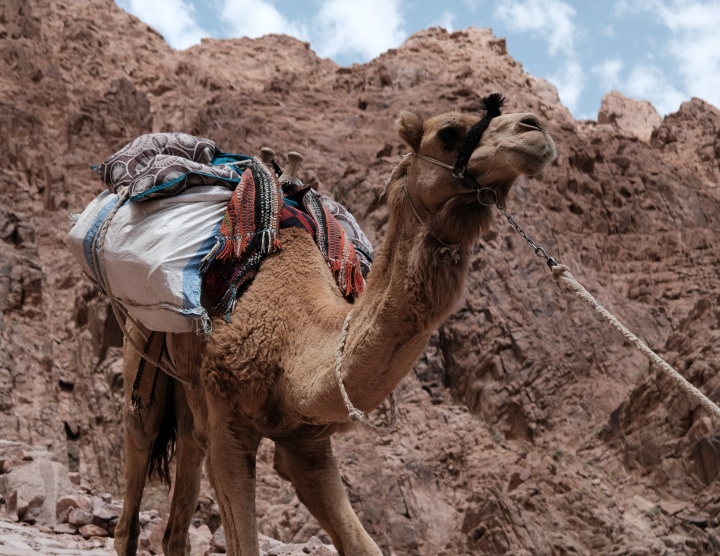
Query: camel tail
point(163, 448)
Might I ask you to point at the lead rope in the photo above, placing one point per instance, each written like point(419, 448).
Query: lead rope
point(562, 274)
point(354, 414)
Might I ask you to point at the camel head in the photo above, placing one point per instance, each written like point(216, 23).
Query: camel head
point(457, 208)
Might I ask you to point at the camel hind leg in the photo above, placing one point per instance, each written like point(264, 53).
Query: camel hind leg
point(142, 427)
point(311, 468)
point(188, 473)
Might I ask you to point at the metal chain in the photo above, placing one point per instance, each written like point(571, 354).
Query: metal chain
point(539, 250)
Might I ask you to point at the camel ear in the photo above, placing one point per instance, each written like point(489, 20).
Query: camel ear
point(410, 128)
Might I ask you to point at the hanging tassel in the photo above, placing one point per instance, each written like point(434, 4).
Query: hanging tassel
point(493, 104)
point(211, 256)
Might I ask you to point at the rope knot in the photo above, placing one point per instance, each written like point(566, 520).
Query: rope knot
point(559, 270)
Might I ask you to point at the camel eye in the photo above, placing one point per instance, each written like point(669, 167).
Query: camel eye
point(449, 136)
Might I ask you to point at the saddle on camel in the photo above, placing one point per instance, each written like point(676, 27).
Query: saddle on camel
point(184, 226)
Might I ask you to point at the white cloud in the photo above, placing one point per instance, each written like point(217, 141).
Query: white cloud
point(173, 19)
point(649, 83)
point(255, 18)
point(570, 82)
point(684, 15)
point(694, 44)
point(367, 28)
point(609, 72)
point(552, 20)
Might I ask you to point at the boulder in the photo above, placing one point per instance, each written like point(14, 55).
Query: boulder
point(67, 503)
point(91, 530)
point(200, 540)
point(630, 117)
point(32, 491)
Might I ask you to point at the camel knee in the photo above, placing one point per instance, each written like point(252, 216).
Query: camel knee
point(138, 427)
point(143, 420)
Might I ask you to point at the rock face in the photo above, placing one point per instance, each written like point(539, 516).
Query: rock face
point(635, 118)
point(690, 138)
point(528, 427)
point(660, 431)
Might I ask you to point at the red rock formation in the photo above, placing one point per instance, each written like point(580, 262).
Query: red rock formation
point(529, 426)
point(636, 118)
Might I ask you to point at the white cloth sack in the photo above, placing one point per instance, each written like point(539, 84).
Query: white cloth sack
point(152, 252)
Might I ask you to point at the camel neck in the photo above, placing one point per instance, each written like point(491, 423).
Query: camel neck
point(414, 284)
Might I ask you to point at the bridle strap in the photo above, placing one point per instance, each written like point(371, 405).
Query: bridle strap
point(434, 161)
point(473, 183)
point(493, 105)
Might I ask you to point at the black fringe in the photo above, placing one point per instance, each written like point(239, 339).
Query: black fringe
point(493, 104)
point(163, 449)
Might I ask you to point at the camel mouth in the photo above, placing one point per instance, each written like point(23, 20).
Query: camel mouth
point(532, 153)
point(532, 150)
point(535, 142)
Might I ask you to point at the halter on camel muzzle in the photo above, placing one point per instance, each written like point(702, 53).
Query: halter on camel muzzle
point(492, 104)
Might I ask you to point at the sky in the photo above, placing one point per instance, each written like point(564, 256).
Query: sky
point(664, 51)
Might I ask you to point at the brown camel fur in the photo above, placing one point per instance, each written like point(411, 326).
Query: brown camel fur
point(270, 371)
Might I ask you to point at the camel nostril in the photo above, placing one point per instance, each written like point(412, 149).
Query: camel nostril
point(531, 122)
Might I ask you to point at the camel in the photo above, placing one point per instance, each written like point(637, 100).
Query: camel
point(270, 371)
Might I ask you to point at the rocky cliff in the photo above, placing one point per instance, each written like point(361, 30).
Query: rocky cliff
point(528, 427)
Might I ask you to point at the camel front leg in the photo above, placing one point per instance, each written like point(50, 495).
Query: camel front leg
point(312, 469)
point(141, 430)
point(232, 452)
point(189, 458)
